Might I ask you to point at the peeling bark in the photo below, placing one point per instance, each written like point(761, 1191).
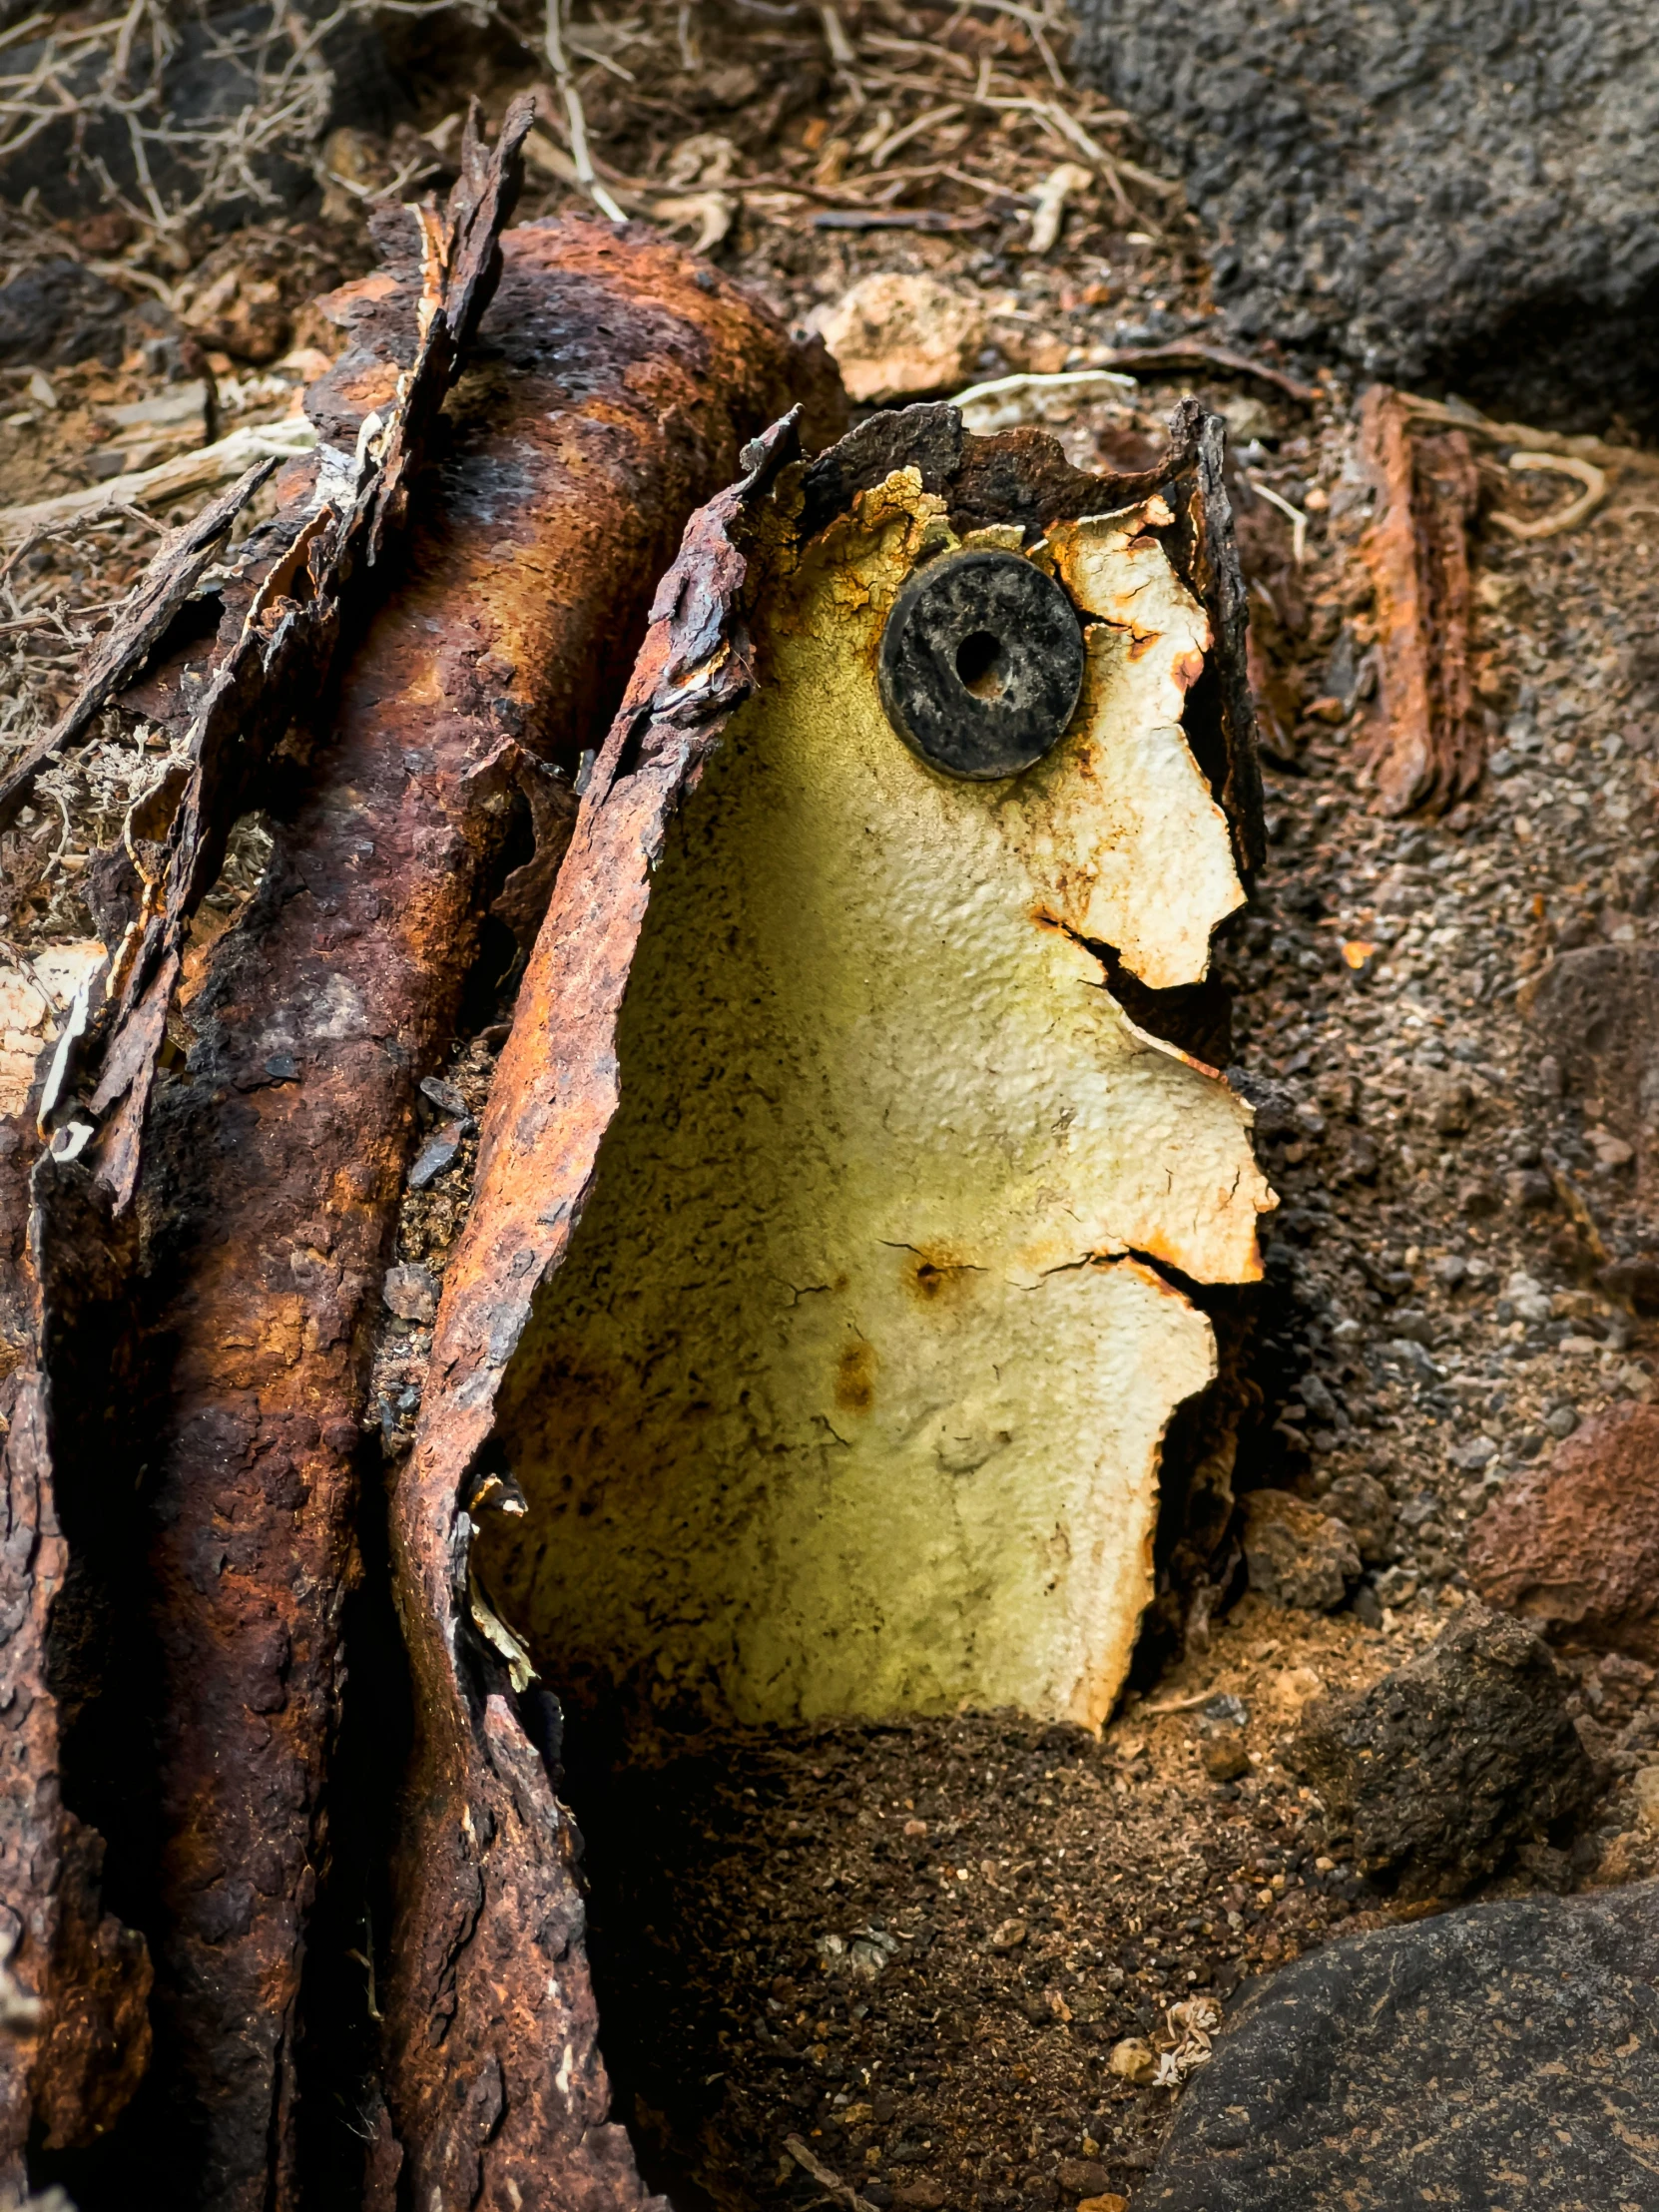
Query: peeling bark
point(1428, 749)
point(611, 384)
point(74, 2030)
point(489, 1918)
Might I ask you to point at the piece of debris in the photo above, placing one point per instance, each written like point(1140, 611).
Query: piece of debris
point(1429, 748)
point(1133, 2060)
point(1573, 1546)
point(1449, 1762)
point(410, 1292)
point(1416, 2062)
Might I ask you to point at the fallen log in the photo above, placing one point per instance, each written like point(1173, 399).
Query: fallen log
point(828, 1288)
point(612, 384)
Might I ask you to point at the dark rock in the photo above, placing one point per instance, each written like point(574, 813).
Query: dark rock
point(1439, 1769)
point(1367, 1510)
point(1426, 188)
point(1502, 2055)
point(56, 313)
point(1574, 1545)
point(1273, 1103)
point(1296, 1553)
point(1599, 1010)
point(444, 1095)
point(436, 1154)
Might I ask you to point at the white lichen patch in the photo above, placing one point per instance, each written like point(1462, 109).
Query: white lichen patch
point(850, 1394)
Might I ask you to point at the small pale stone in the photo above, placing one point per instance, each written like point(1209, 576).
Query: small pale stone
point(1132, 2059)
point(893, 335)
point(411, 1294)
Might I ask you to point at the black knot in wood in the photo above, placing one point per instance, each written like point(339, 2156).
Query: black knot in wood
point(981, 663)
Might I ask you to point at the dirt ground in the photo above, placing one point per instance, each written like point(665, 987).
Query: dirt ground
point(898, 1960)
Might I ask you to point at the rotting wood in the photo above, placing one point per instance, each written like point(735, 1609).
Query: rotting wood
point(615, 380)
point(486, 1850)
point(1429, 748)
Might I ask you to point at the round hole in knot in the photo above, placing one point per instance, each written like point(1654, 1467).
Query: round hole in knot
point(979, 664)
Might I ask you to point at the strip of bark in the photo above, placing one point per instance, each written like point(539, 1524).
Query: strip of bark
point(1428, 749)
point(285, 648)
point(489, 1920)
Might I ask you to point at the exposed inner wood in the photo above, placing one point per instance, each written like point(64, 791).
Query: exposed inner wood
point(848, 1395)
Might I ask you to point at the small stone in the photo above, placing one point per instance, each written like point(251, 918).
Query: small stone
point(1644, 1787)
point(923, 2194)
point(436, 1154)
point(1365, 1507)
point(1440, 1769)
point(1443, 1102)
point(1008, 1935)
point(1132, 2059)
point(1367, 1606)
point(1561, 1420)
point(1573, 1547)
point(444, 1096)
point(895, 336)
point(1224, 1757)
point(1083, 2177)
point(1478, 1453)
point(1296, 1553)
point(410, 1292)
point(1106, 2203)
